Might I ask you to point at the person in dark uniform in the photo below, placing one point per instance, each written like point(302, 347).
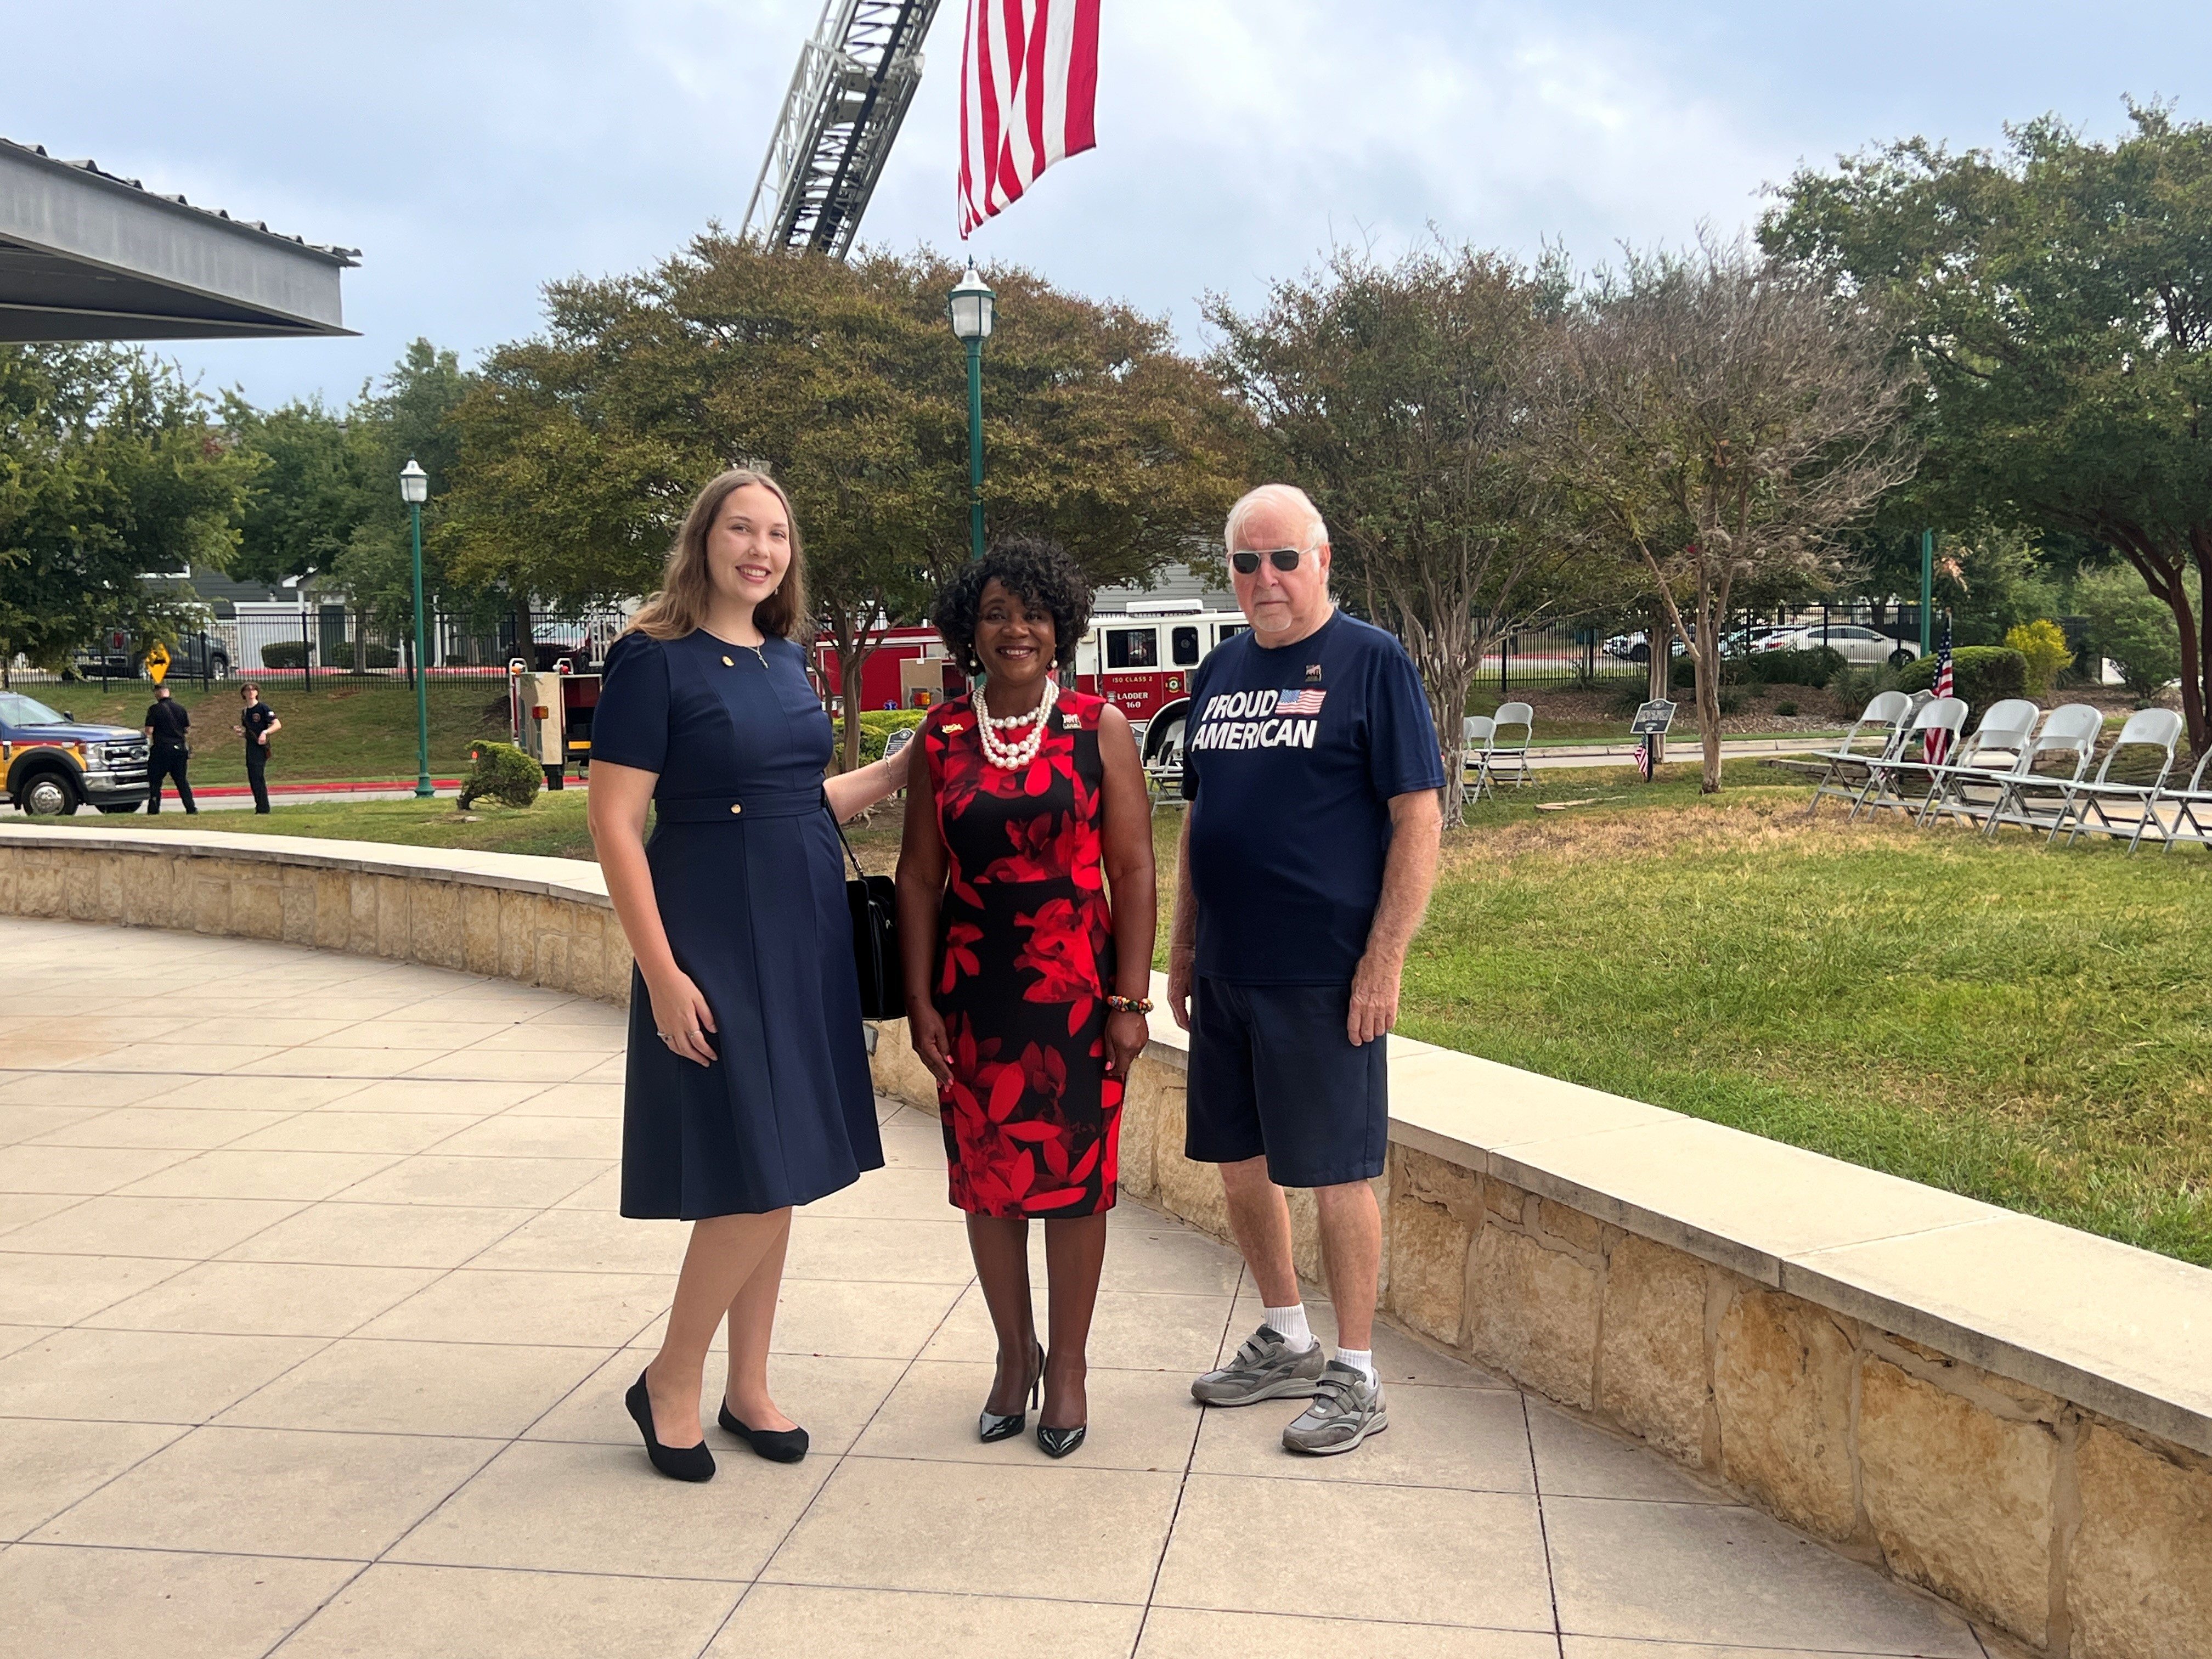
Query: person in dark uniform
point(167, 723)
point(748, 1088)
point(1025, 986)
point(255, 723)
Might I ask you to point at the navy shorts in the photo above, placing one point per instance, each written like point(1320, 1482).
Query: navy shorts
point(1271, 1071)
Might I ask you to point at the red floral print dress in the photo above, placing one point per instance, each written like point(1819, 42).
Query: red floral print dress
point(1025, 956)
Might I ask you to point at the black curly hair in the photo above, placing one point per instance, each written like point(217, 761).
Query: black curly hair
point(1036, 571)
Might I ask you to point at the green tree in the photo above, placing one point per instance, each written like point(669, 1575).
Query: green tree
point(408, 416)
point(581, 446)
point(305, 496)
point(325, 502)
point(1403, 398)
point(109, 467)
point(2128, 625)
point(2058, 298)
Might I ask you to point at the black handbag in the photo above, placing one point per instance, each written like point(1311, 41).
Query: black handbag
point(873, 901)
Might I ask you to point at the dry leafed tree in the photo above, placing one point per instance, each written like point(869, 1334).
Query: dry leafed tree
point(1722, 419)
point(1398, 397)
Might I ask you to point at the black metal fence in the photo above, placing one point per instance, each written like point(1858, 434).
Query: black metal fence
point(309, 644)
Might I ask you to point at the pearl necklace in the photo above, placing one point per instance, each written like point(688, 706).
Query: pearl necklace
point(1014, 756)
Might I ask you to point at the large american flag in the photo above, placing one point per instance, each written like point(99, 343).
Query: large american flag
point(1029, 81)
point(1935, 745)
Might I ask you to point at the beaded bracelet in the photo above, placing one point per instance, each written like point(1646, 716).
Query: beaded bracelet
point(1121, 1004)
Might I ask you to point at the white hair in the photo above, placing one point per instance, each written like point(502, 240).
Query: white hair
point(1275, 494)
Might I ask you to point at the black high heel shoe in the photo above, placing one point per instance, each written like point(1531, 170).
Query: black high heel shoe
point(992, 1425)
point(777, 1445)
point(1058, 1443)
point(676, 1463)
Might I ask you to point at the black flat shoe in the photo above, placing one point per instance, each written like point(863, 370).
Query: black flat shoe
point(676, 1463)
point(992, 1425)
point(777, 1445)
point(1058, 1443)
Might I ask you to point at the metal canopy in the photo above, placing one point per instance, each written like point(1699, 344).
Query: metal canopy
point(87, 255)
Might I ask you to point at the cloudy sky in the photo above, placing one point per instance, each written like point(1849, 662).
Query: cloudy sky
point(474, 149)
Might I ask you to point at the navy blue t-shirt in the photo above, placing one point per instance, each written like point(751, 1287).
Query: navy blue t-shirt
point(1291, 759)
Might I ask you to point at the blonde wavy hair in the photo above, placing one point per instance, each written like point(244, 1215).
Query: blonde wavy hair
point(680, 606)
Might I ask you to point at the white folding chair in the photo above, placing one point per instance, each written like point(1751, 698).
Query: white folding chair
point(2088, 807)
point(1475, 733)
point(2069, 736)
point(2188, 804)
point(1880, 722)
point(1503, 747)
point(1944, 715)
point(1984, 758)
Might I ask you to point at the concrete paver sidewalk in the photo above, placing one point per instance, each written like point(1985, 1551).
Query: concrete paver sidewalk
point(317, 1315)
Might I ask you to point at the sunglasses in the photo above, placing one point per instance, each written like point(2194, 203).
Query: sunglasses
point(1283, 558)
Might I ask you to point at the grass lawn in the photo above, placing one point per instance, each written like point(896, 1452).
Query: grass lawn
point(2029, 1028)
point(2032, 1029)
point(331, 731)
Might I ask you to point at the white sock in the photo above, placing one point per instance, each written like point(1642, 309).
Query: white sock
point(1290, 1324)
point(1360, 1359)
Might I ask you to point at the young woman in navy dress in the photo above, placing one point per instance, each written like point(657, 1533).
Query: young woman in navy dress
point(1026, 902)
point(748, 1089)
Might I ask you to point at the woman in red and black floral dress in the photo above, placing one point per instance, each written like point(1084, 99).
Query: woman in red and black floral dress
point(1026, 904)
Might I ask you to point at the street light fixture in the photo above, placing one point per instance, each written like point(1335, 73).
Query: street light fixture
point(970, 308)
point(415, 490)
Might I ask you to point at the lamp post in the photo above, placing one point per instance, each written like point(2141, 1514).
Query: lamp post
point(415, 490)
point(970, 308)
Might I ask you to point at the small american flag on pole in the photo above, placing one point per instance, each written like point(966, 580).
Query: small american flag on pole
point(1028, 85)
point(1935, 745)
point(1643, 759)
point(1306, 701)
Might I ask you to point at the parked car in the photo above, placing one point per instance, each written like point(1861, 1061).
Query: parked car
point(582, 645)
point(196, 656)
point(1860, 646)
point(52, 765)
point(1636, 648)
point(1744, 640)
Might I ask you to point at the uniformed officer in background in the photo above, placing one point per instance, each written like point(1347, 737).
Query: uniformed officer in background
point(255, 722)
point(165, 726)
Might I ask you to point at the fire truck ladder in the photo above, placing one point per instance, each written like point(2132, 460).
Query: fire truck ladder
point(855, 80)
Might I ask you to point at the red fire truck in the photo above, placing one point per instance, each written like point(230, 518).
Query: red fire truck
point(1139, 657)
point(1140, 660)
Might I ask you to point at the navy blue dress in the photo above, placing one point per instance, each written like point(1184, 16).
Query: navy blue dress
point(746, 870)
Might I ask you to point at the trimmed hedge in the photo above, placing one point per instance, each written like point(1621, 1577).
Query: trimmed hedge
point(502, 772)
point(1982, 674)
point(285, 654)
point(1816, 667)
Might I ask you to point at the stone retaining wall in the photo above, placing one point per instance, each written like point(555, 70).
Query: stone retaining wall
point(542, 921)
point(2013, 1415)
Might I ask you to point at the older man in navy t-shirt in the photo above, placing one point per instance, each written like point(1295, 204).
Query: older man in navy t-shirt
point(1312, 769)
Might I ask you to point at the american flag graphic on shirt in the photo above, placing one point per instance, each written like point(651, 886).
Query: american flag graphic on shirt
point(1306, 701)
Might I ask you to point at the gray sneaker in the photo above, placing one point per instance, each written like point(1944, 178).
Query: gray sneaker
point(1347, 1409)
point(1266, 1368)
